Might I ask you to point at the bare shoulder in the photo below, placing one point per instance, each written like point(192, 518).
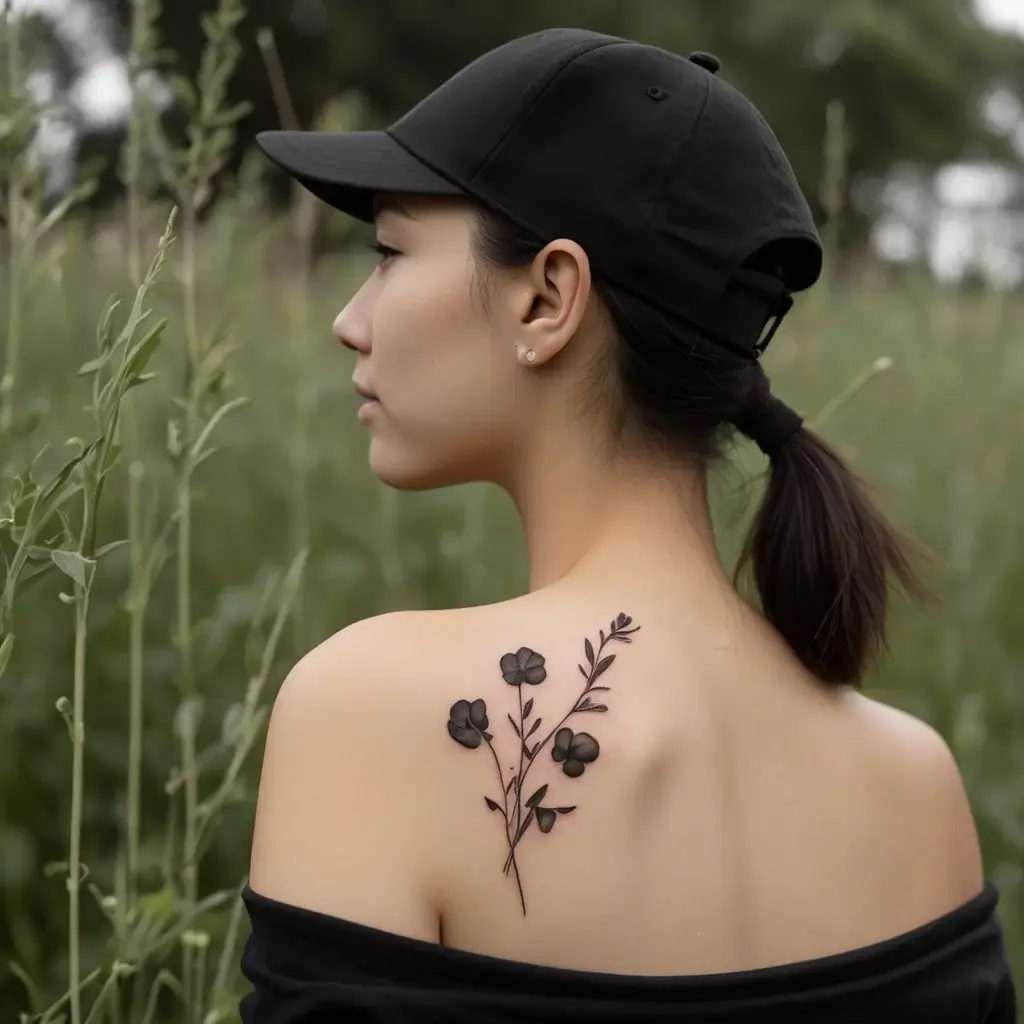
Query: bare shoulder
point(343, 804)
point(921, 773)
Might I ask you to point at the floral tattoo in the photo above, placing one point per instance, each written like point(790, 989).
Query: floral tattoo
point(468, 725)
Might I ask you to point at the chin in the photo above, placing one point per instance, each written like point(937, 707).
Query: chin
point(404, 472)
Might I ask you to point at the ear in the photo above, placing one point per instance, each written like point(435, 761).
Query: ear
point(553, 300)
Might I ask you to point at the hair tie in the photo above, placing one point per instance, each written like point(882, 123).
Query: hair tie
point(765, 419)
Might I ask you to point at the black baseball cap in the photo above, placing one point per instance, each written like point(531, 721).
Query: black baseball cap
point(666, 175)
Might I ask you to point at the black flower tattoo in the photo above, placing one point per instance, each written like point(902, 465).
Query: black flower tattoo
point(525, 666)
point(468, 724)
point(574, 751)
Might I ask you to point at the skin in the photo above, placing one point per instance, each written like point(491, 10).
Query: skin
point(740, 814)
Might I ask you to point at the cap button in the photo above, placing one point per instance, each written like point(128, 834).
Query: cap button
point(708, 61)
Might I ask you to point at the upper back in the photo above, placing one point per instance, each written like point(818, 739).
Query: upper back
point(737, 813)
point(687, 805)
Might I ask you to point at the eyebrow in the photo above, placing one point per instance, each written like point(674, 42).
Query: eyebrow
point(382, 205)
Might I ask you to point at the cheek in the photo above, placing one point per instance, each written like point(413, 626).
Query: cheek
point(445, 380)
point(433, 350)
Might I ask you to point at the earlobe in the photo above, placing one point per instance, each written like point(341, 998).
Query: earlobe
point(560, 290)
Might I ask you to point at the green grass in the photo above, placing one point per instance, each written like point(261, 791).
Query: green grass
point(238, 477)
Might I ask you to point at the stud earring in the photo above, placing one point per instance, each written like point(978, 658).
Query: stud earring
point(531, 356)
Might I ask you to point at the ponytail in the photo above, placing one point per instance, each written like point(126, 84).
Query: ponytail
point(822, 556)
point(821, 552)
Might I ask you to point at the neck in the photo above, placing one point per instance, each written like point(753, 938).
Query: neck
point(594, 518)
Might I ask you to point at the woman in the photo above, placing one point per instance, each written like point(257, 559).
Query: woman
point(625, 795)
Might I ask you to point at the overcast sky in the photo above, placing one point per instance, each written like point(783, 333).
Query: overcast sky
point(1006, 14)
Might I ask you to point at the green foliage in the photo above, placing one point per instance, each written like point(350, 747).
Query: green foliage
point(909, 74)
point(213, 517)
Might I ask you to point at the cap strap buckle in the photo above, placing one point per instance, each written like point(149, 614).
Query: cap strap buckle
point(783, 305)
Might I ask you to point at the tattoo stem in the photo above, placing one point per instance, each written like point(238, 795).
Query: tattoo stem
point(508, 836)
point(514, 842)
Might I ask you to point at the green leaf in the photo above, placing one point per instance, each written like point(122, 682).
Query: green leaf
point(231, 727)
point(113, 455)
point(62, 477)
point(158, 906)
point(108, 548)
point(6, 649)
point(105, 333)
point(77, 566)
point(226, 118)
point(94, 365)
point(142, 378)
point(140, 356)
point(211, 426)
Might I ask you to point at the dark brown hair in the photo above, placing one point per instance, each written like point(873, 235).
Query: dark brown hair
point(821, 552)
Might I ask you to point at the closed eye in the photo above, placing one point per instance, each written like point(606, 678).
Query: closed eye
point(385, 252)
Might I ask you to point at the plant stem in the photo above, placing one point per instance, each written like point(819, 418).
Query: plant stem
point(199, 988)
point(135, 669)
point(184, 552)
point(14, 254)
point(189, 284)
point(89, 508)
point(77, 799)
point(300, 529)
point(305, 399)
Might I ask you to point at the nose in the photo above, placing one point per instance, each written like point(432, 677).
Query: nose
point(353, 325)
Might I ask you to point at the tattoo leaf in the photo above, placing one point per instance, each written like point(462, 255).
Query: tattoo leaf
point(537, 796)
point(583, 672)
point(528, 708)
point(536, 747)
point(589, 648)
point(600, 633)
point(515, 727)
point(510, 786)
point(527, 753)
point(596, 707)
point(603, 665)
point(596, 689)
point(534, 727)
point(487, 736)
point(564, 810)
point(525, 825)
point(490, 803)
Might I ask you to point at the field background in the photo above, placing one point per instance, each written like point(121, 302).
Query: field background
point(238, 476)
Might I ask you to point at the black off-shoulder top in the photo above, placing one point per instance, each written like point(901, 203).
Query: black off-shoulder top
point(309, 968)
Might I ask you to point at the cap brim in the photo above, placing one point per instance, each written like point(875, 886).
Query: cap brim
point(348, 169)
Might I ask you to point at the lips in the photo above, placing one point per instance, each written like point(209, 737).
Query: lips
point(364, 392)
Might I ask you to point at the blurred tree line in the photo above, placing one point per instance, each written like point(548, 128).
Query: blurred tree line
point(910, 74)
